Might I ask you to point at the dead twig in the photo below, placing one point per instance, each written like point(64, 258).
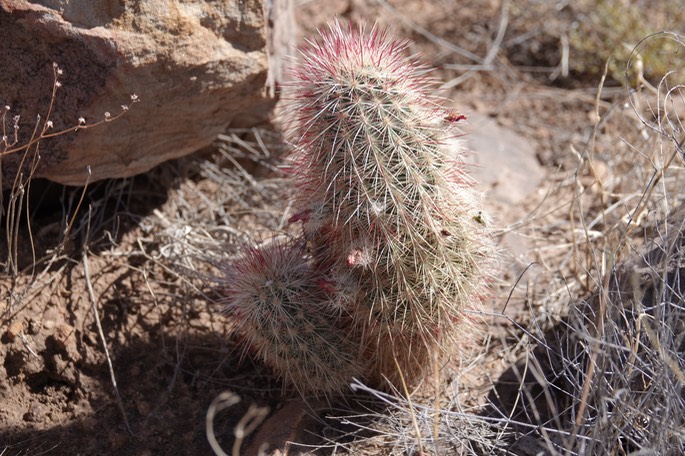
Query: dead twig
point(93, 302)
point(422, 31)
point(247, 424)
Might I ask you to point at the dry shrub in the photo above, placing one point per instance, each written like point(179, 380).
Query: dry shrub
point(24, 252)
point(625, 359)
point(601, 360)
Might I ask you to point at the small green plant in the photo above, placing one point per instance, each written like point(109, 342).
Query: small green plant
point(391, 221)
point(618, 29)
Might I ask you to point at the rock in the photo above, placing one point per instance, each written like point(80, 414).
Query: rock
point(275, 435)
point(197, 67)
point(14, 330)
point(504, 161)
point(505, 165)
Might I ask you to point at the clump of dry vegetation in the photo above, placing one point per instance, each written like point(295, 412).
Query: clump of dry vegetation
point(15, 207)
point(609, 372)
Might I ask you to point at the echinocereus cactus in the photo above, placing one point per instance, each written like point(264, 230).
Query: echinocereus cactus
point(395, 249)
point(383, 194)
point(282, 313)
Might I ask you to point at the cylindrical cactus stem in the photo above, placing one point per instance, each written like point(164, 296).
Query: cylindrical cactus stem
point(286, 319)
point(379, 165)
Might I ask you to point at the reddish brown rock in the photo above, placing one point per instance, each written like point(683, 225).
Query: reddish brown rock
point(198, 67)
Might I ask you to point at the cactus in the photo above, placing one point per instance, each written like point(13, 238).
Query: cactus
point(394, 248)
point(283, 314)
point(384, 198)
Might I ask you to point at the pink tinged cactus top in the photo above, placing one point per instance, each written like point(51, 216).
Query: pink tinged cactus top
point(367, 128)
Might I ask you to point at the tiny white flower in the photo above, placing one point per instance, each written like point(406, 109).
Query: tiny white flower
point(81, 120)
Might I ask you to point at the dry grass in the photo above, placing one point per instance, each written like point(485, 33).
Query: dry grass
point(609, 372)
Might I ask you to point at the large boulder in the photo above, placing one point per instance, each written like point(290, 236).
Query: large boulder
point(198, 67)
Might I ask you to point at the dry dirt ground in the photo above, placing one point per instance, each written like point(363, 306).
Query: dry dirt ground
point(111, 336)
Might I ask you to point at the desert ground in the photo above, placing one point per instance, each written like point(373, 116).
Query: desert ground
point(112, 336)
